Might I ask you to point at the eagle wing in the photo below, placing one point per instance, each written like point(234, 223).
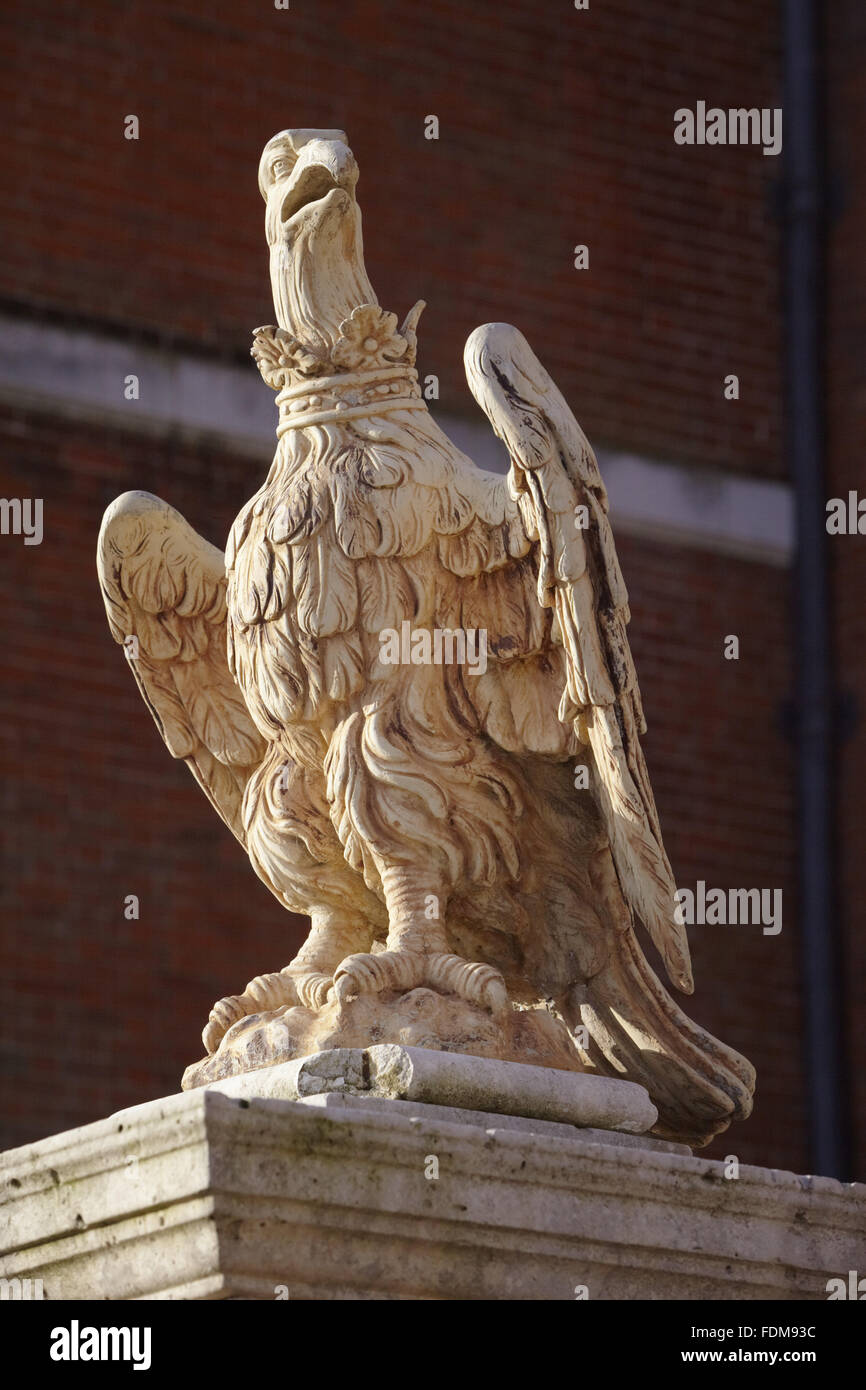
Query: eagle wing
point(556, 481)
point(165, 587)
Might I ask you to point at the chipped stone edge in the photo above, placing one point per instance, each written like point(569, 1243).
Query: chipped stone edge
point(457, 1080)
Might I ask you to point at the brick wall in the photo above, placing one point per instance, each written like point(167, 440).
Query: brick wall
point(846, 384)
point(99, 1011)
point(556, 128)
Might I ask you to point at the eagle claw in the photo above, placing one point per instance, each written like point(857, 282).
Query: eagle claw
point(403, 970)
point(289, 987)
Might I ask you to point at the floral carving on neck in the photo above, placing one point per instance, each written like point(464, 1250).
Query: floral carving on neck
point(281, 357)
point(368, 339)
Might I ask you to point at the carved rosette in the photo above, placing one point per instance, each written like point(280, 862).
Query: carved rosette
point(282, 359)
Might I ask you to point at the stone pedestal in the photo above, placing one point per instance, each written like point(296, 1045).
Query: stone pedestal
point(375, 1173)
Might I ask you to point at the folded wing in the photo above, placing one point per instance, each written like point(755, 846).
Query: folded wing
point(555, 478)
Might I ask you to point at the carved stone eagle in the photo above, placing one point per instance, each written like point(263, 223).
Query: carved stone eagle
point(425, 816)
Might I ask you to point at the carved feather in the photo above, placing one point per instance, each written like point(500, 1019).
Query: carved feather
point(165, 586)
point(555, 470)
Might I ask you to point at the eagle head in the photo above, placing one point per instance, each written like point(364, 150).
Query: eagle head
point(313, 226)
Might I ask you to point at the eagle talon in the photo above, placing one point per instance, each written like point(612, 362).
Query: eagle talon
point(371, 973)
point(402, 970)
point(312, 986)
point(473, 981)
point(287, 988)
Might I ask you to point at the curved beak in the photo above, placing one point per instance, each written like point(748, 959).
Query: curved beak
point(321, 166)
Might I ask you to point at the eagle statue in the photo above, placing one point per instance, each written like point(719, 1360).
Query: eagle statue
point(473, 845)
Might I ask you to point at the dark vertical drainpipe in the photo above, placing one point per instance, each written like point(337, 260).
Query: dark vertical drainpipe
point(814, 746)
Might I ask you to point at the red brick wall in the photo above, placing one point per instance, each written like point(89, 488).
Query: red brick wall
point(846, 378)
point(101, 1012)
point(722, 772)
point(556, 128)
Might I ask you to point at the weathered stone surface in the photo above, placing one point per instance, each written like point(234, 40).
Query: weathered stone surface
point(202, 1195)
point(461, 1082)
point(483, 1119)
point(386, 684)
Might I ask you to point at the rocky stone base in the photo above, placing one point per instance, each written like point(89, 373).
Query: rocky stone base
point(420, 1018)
